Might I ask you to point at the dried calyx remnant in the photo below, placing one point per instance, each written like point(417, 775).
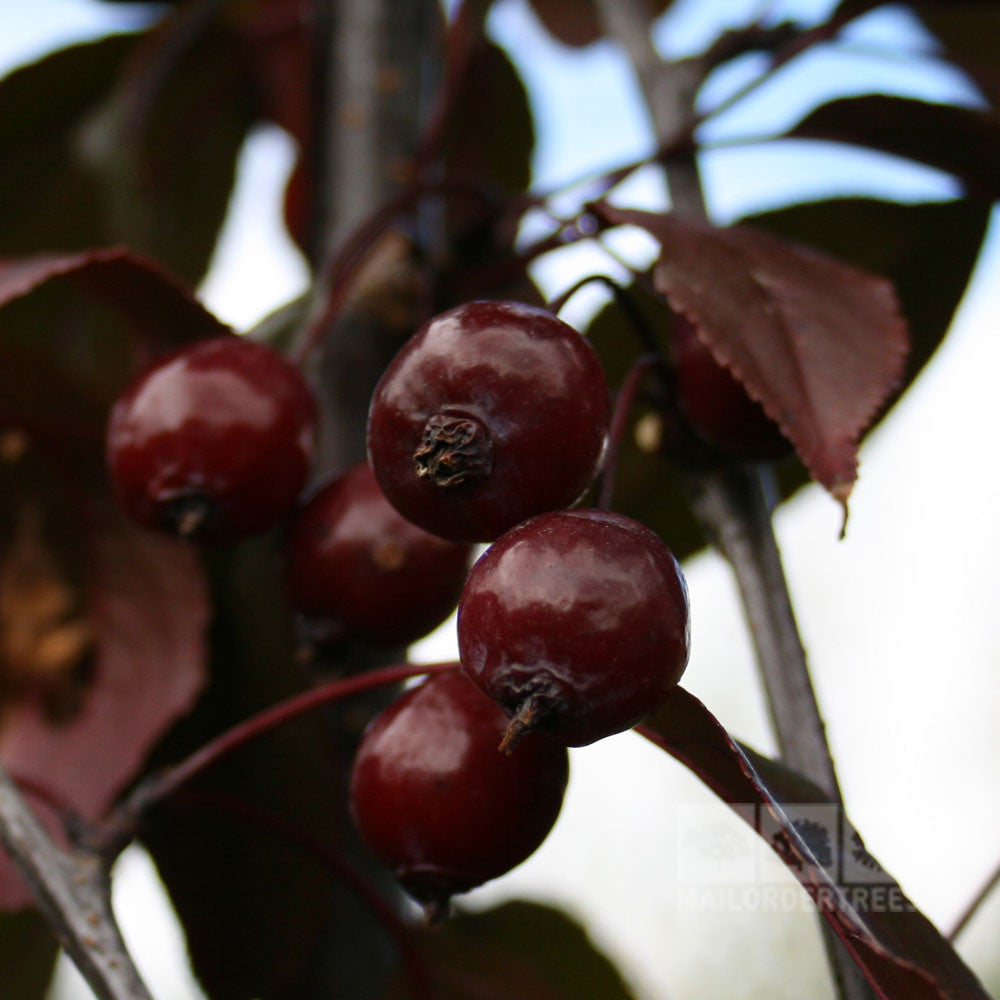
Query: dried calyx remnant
point(190, 514)
point(455, 449)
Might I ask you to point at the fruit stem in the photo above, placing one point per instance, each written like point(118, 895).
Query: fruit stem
point(121, 825)
point(436, 911)
point(531, 712)
point(619, 425)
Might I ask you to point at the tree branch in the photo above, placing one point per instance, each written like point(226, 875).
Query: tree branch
point(973, 906)
point(668, 90)
point(731, 504)
point(375, 60)
point(73, 891)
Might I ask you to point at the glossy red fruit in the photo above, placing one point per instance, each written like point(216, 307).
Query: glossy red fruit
point(361, 569)
point(490, 413)
point(438, 803)
point(212, 442)
point(716, 407)
point(575, 623)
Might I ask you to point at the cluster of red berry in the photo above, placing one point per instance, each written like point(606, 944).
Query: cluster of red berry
point(489, 424)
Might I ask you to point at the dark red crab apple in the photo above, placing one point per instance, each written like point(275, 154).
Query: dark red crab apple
point(714, 404)
point(435, 800)
point(490, 413)
point(362, 571)
point(575, 623)
point(213, 441)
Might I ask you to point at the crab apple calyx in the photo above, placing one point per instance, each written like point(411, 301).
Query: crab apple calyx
point(438, 804)
point(454, 449)
point(576, 624)
point(188, 514)
point(490, 413)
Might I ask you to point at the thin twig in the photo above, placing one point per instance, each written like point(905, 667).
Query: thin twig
point(619, 424)
point(965, 918)
point(668, 89)
point(824, 32)
point(73, 892)
point(122, 824)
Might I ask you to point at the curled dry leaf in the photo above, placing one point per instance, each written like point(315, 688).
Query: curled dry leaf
point(819, 344)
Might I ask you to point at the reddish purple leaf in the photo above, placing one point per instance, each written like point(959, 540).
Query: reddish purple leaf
point(149, 298)
point(818, 343)
point(576, 22)
point(961, 141)
point(896, 947)
point(515, 951)
point(148, 614)
point(969, 31)
point(483, 145)
point(74, 328)
point(102, 626)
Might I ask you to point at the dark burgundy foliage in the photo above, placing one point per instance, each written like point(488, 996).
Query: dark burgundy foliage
point(819, 344)
point(491, 412)
point(928, 252)
point(159, 308)
point(576, 624)
point(103, 626)
point(967, 31)
point(139, 663)
point(477, 954)
point(899, 950)
point(575, 22)
point(960, 141)
point(59, 376)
